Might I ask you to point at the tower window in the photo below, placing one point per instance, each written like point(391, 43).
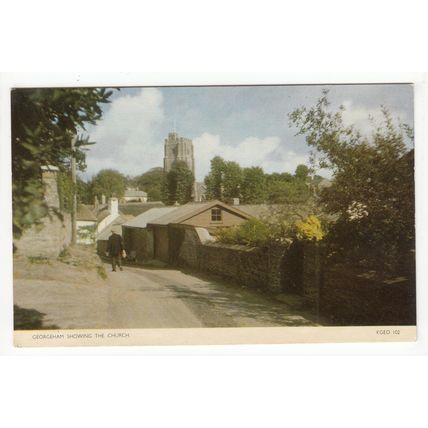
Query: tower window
point(216, 214)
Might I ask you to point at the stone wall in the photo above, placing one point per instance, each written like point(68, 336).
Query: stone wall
point(50, 238)
point(249, 266)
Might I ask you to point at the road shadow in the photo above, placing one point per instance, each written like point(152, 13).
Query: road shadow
point(29, 319)
point(221, 306)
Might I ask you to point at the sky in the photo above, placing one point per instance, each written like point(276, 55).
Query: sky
point(246, 124)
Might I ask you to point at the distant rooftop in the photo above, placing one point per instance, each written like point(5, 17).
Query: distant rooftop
point(149, 216)
point(137, 208)
point(84, 213)
point(131, 193)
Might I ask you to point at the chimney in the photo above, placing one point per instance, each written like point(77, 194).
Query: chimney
point(96, 203)
point(113, 207)
point(103, 199)
point(235, 201)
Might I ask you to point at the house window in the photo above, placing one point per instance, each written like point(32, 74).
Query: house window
point(216, 214)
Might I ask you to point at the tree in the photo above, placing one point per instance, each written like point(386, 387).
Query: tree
point(84, 192)
point(288, 189)
point(214, 180)
point(302, 172)
point(253, 188)
point(151, 182)
point(44, 121)
point(110, 183)
point(232, 180)
point(372, 190)
point(224, 180)
point(178, 185)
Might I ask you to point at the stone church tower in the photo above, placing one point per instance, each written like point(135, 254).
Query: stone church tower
point(178, 149)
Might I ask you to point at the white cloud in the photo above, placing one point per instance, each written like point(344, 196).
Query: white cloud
point(267, 153)
point(125, 136)
point(358, 116)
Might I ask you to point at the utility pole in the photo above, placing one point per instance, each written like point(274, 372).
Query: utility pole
point(74, 199)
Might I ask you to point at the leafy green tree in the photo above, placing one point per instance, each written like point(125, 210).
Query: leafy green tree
point(178, 184)
point(85, 192)
point(44, 121)
point(253, 188)
point(302, 172)
point(151, 182)
point(66, 191)
point(372, 190)
point(109, 182)
point(214, 180)
point(232, 180)
point(288, 189)
point(224, 180)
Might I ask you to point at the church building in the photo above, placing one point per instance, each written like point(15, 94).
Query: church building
point(178, 149)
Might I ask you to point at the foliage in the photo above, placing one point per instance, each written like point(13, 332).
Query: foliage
point(253, 186)
point(309, 229)
point(224, 180)
point(302, 172)
point(108, 182)
point(151, 182)
point(85, 233)
point(288, 189)
point(257, 232)
point(84, 192)
point(44, 121)
point(373, 175)
point(66, 190)
point(178, 184)
point(228, 180)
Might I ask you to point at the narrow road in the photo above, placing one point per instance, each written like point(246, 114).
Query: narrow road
point(145, 298)
point(168, 298)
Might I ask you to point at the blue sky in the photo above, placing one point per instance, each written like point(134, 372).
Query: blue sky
point(247, 124)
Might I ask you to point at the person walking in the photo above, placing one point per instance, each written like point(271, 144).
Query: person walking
point(115, 249)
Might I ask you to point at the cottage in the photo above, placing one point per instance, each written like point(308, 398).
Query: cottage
point(93, 220)
point(209, 215)
point(138, 240)
point(134, 195)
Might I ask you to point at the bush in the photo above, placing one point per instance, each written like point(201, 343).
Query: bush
point(309, 229)
point(256, 232)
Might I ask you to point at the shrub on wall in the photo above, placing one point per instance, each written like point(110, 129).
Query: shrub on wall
point(309, 229)
point(257, 233)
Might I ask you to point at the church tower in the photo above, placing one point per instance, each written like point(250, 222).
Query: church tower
point(178, 149)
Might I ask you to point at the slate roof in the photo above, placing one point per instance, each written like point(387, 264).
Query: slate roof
point(192, 209)
point(149, 216)
point(84, 213)
point(105, 234)
point(102, 214)
point(137, 208)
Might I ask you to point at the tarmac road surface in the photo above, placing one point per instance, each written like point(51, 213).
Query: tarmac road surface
point(152, 298)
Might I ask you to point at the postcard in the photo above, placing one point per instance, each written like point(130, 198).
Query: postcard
point(160, 215)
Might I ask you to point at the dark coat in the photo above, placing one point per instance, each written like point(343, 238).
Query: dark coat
point(115, 245)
